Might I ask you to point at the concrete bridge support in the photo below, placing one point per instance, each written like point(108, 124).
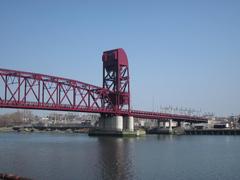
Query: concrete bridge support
point(164, 124)
point(179, 124)
point(117, 123)
point(163, 127)
point(128, 123)
point(116, 126)
point(112, 123)
point(158, 124)
point(170, 125)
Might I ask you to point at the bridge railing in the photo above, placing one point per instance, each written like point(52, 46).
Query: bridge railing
point(158, 115)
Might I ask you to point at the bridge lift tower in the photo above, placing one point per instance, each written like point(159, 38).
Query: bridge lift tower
point(116, 79)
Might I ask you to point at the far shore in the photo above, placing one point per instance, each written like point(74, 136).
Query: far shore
point(30, 130)
point(6, 129)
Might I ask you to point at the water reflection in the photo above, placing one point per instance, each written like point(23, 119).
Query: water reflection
point(115, 158)
point(63, 156)
point(165, 137)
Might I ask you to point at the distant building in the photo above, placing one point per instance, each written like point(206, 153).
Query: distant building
point(223, 122)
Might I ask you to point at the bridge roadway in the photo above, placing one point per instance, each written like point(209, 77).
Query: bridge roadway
point(27, 90)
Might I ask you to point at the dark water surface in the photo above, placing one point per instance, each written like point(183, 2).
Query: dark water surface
point(76, 156)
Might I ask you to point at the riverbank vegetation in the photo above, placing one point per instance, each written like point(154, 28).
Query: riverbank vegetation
point(16, 118)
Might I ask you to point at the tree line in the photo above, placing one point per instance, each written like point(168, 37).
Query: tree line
point(16, 118)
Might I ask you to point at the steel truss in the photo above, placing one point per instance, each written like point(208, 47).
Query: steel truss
point(27, 90)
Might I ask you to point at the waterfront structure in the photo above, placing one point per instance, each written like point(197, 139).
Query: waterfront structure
point(112, 100)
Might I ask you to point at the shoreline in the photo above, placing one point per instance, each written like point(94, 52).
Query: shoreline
point(33, 130)
point(89, 130)
point(6, 129)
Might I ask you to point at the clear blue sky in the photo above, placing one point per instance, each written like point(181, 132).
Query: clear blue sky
point(182, 53)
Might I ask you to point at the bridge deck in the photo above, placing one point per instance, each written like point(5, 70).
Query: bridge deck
point(27, 90)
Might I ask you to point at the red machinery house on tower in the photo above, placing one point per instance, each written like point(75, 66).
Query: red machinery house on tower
point(116, 79)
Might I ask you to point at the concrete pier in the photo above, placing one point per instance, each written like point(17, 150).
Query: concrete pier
point(159, 124)
point(128, 123)
point(116, 126)
point(179, 124)
point(166, 127)
point(170, 126)
point(112, 123)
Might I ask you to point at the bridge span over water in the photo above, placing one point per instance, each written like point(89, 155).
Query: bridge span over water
point(27, 90)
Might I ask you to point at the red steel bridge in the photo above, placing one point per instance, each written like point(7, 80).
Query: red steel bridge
point(27, 90)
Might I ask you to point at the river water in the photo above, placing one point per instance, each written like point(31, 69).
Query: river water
point(78, 156)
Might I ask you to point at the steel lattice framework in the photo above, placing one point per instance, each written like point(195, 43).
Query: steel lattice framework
point(38, 91)
point(27, 90)
point(116, 78)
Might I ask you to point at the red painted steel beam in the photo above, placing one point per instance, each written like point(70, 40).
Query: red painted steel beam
point(38, 91)
point(165, 116)
point(27, 90)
